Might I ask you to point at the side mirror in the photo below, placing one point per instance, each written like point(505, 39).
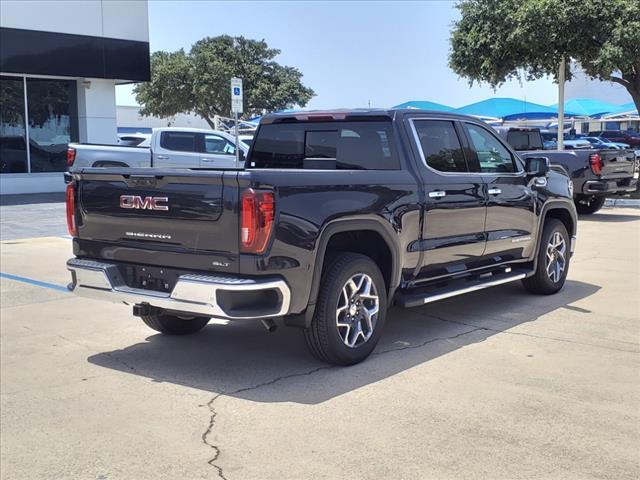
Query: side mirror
point(537, 166)
point(243, 156)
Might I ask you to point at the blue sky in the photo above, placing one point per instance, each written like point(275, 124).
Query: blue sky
point(351, 53)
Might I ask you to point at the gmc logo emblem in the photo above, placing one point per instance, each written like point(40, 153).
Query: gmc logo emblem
point(146, 203)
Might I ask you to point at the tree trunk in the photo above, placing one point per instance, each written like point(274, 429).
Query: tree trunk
point(209, 121)
point(632, 84)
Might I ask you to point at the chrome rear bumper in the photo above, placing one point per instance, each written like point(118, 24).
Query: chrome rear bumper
point(206, 295)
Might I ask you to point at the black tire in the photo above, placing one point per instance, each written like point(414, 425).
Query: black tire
point(541, 282)
point(323, 337)
point(174, 325)
point(588, 204)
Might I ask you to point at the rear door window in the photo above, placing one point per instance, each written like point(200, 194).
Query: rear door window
point(366, 145)
point(179, 141)
point(440, 145)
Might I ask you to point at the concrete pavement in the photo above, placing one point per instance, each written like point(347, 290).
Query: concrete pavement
point(497, 384)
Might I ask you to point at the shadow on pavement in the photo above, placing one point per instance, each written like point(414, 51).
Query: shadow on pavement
point(242, 360)
point(32, 198)
point(605, 217)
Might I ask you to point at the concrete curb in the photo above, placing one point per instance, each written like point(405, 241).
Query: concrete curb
point(622, 202)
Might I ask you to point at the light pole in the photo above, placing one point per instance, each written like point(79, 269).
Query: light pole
point(561, 72)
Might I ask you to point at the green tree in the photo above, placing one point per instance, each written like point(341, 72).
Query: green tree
point(496, 40)
point(199, 81)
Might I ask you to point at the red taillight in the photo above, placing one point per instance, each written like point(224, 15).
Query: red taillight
point(71, 156)
point(595, 160)
point(257, 213)
point(71, 210)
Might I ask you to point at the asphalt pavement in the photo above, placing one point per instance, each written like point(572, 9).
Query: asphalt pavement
point(497, 384)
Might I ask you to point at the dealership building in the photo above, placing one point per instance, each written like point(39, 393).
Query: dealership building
point(59, 65)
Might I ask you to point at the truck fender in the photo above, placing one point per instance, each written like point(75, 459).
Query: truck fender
point(568, 208)
point(339, 226)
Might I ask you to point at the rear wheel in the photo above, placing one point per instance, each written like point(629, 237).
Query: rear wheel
point(553, 260)
point(173, 324)
point(588, 204)
point(350, 312)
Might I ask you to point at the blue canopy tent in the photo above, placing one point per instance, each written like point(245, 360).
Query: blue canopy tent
point(507, 109)
point(424, 105)
point(627, 107)
point(587, 107)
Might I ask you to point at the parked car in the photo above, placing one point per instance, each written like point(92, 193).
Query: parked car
point(631, 139)
point(595, 174)
point(334, 217)
point(550, 142)
point(598, 142)
point(169, 148)
point(577, 144)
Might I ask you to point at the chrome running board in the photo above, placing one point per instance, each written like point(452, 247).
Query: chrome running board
point(410, 298)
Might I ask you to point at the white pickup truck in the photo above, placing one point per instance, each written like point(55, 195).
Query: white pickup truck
point(171, 147)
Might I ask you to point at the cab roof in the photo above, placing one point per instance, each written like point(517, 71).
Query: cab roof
point(354, 114)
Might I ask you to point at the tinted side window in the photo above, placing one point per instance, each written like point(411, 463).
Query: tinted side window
point(345, 145)
point(218, 145)
point(492, 155)
point(179, 141)
point(440, 145)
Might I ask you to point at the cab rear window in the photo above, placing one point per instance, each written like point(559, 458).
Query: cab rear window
point(325, 145)
point(524, 140)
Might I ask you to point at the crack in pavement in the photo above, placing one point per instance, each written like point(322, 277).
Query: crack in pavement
point(213, 413)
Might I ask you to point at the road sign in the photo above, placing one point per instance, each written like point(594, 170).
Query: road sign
point(236, 95)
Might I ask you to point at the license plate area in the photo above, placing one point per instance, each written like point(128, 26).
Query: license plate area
point(146, 277)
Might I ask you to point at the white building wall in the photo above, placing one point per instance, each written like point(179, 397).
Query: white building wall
point(121, 19)
point(129, 116)
point(125, 19)
point(97, 111)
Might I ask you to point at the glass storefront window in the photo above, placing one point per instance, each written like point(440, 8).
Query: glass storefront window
point(13, 139)
point(53, 122)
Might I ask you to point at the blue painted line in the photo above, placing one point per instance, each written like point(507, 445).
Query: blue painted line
point(37, 283)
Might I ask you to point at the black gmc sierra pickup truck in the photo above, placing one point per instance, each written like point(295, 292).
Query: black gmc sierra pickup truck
point(334, 217)
point(596, 173)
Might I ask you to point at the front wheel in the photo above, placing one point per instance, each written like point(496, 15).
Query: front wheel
point(588, 204)
point(350, 312)
point(553, 260)
point(173, 324)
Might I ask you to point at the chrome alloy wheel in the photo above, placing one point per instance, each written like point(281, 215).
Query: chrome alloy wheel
point(556, 257)
point(357, 310)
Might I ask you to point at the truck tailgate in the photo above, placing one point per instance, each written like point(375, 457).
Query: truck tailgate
point(617, 164)
point(170, 218)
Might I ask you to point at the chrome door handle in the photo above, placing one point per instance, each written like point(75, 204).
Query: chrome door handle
point(162, 157)
point(437, 194)
point(205, 159)
point(495, 191)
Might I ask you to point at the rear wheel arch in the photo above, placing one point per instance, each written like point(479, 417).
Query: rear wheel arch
point(358, 236)
point(107, 163)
